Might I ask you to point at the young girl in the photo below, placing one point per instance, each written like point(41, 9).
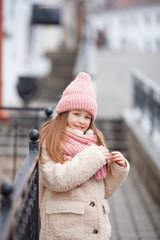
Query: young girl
point(77, 172)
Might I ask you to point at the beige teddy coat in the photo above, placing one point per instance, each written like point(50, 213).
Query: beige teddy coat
point(69, 210)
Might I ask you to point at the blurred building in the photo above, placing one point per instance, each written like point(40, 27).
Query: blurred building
point(118, 24)
point(130, 25)
point(30, 30)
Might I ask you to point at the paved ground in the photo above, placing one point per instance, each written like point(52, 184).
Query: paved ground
point(133, 213)
point(113, 81)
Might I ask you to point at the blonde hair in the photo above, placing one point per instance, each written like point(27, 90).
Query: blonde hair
point(51, 136)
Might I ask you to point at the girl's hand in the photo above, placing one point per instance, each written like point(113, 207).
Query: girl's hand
point(118, 158)
point(104, 151)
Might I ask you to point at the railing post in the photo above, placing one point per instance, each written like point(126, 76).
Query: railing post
point(6, 205)
point(33, 143)
point(48, 112)
point(34, 221)
point(6, 190)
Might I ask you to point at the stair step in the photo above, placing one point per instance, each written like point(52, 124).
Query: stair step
point(64, 56)
point(61, 70)
point(52, 85)
point(115, 134)
point(109, 125)
point(116, 145)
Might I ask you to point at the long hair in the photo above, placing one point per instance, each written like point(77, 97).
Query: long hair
point(51, 136)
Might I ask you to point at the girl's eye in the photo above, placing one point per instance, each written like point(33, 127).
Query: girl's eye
point(76, 114)
point(88, 117)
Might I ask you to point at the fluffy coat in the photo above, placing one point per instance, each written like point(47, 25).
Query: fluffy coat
point(69, 212)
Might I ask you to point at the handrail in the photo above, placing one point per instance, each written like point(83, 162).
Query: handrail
point(19, 218)
point(147, 99)
point(23, 108)
point(48, 110)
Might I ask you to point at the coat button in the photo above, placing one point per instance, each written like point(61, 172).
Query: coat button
point(92, 204)
point(95, 231)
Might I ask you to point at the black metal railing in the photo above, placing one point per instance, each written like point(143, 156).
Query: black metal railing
point(147, 99)
point(14, 130)
point(19, 217)
point(26, 115)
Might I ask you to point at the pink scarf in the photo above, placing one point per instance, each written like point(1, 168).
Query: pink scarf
point(75, 143)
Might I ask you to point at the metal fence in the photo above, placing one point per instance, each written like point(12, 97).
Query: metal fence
point(147, 99)
point(14, 130)
point(19, 205)
point(19, 217)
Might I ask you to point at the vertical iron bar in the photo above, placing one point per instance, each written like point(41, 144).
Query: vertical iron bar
point(151, 111)
point(35, 210)
point(29, 228)
point(37, 204)
point(15, 126)
point(147, 98)
point(36, 119)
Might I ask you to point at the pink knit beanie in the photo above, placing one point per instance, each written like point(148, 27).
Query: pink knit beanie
point(79, 95)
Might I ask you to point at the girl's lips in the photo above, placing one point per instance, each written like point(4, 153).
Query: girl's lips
point(79, 127)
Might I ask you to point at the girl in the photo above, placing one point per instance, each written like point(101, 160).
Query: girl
point(77, 172)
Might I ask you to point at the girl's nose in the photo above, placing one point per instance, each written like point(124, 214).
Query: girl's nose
point(81, 120)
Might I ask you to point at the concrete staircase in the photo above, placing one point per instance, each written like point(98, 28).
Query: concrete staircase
point(115, 135)
point(51, 86)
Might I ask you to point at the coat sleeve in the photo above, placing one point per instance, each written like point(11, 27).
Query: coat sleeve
point(64, 177)
point(115, 177)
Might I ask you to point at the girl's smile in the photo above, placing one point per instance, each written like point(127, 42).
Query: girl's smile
point(79, 119)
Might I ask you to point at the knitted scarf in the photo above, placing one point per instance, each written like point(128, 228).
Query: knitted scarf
point(74, 143)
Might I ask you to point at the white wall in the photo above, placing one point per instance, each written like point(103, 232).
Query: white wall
point(24, 47)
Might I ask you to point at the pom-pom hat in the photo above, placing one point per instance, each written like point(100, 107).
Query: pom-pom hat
point(79, 95)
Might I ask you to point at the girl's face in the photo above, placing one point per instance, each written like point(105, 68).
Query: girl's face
point(78, 119)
